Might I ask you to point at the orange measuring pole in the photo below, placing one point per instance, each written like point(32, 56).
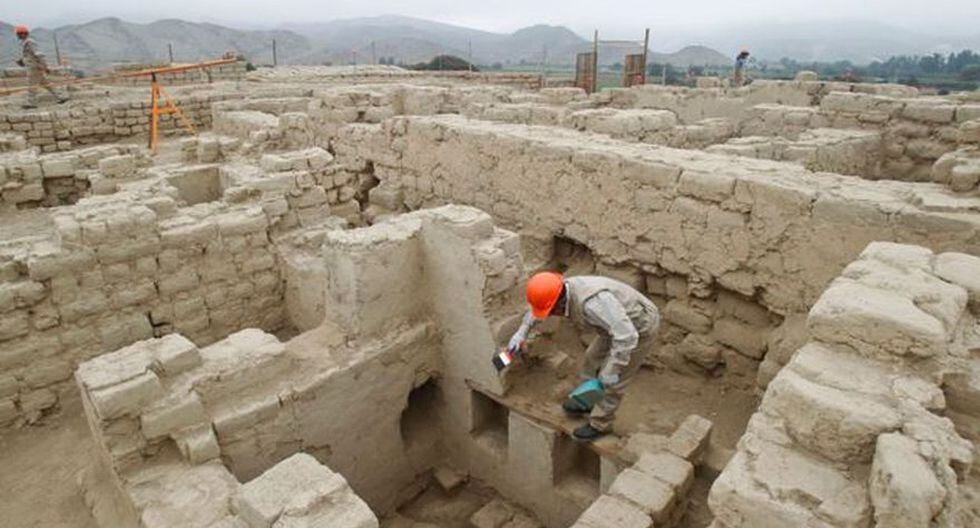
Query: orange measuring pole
point(156, 93)
point(169, 107)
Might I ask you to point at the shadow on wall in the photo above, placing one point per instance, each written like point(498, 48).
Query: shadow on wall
point(571, 257)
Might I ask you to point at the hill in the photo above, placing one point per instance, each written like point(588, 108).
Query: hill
point(411, 40)
point(691, 56)
point(105, 41)
point(102, 42)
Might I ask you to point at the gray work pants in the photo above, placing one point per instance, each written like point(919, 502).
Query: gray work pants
point(36, 78)
point(604, 412)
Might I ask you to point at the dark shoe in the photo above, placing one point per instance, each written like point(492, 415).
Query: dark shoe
point(587, 433)
point(574, 408)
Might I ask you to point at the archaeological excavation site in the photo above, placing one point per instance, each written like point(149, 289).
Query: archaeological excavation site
point(288, 318)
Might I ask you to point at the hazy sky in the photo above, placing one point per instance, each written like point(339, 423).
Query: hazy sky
point(932, 16)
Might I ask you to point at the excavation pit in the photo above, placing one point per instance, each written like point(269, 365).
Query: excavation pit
point(295, 319)
point(197, 185)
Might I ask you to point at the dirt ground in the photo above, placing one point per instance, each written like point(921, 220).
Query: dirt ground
point(657, 401)
point(436, 508)
point(38, 471)
point(39, 464)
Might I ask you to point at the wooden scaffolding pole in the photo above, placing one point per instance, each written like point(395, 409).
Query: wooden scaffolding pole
point(595, 62)
point(646, 51)
point(169, 107)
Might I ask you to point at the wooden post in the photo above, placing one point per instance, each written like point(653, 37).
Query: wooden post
point(646, 47)
point(544, 63)
point(154, 112)
point(170, 107)
point(170, 51)
point(595, 62)
point(275, 59)
point(57, 49)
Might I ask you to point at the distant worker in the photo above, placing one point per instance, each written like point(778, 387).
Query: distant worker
point(624, 319)
point(741, 61)
point(37, 68)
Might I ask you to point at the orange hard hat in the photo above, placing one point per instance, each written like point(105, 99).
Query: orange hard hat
point(21, 30)
point(543, 291)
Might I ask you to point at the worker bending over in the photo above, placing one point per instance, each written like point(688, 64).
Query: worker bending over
point(624, 319)
point(37, 68)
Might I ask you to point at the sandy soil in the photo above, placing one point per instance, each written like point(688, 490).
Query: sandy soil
point(168, 150)
point(436, 507)
point(39, 464)
point(657, 401)
point(38, 468)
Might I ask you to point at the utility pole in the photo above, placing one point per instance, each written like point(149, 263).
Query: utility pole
point(646, 48)
point(170, 51)
point(57, 50)
point(275, 58)
point(374, 53)
point(595, 62)
point(544, 61)
point(471, 56)
point(663, 75)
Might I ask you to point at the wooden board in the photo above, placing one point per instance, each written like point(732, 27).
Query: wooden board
point(585, 71)
point(634, 73)
point(551, 416)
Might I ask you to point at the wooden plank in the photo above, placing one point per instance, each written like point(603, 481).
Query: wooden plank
point(584, 72)
point(633, 70)
point(609, 446)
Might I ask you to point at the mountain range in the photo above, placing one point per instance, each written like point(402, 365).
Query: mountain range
point(105, 41)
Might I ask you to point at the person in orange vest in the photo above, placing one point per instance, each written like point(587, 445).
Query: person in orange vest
point(625, 321)
point(37, 68)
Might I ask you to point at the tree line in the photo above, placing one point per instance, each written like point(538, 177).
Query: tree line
point(961, 66)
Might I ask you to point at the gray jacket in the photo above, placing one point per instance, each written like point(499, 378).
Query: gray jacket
point(608, 307)
point(617, 300)
point(32, 56)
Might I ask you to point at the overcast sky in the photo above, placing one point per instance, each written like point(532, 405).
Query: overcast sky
point(626, 16)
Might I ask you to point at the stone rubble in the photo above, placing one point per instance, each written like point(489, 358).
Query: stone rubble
point(815, 240)
point(848, 432)
point(652, 491)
